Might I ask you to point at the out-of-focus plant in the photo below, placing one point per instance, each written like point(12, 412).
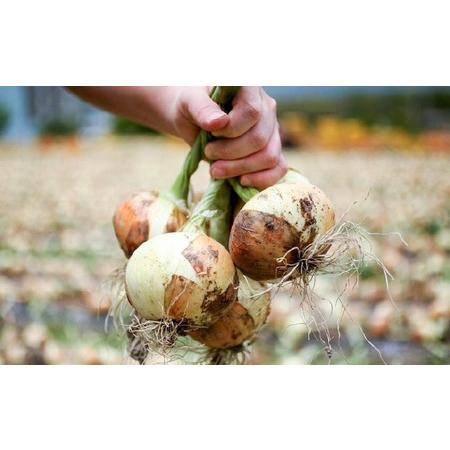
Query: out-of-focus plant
point(126, 127)
point(294, 129)
point(4, 118)
point(411, 110)
point(59, 127)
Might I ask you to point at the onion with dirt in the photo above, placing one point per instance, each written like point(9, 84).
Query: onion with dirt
point(225, 338)
point(183, 276)
point(275, 229)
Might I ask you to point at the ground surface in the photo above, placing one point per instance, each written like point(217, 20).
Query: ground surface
point(57, 246)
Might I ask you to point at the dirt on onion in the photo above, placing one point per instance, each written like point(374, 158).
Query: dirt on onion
point(228, 338)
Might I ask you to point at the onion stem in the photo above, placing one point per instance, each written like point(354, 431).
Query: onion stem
point(244, 192)
point(207, 207)
point(223, 95)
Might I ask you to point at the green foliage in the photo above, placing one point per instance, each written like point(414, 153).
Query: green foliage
point(59, 127)
point(407, 109)
point(126, 127)
point(4, 118)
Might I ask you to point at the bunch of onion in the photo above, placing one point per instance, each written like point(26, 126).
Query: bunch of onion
point(227, 340)
point(180, 281)
point(148, 214)
point(258, 256)
point(185, 282)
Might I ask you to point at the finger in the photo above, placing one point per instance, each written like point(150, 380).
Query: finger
point(251, 142)
point(265, 178)
point(266, 158)
point(204, 112)
point(247, 110)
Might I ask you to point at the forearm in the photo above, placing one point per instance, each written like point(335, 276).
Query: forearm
point(152, 106)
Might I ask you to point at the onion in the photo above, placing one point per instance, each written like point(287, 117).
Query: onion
point(242, 321)
point(183, 276)
point(275, 227)
point(143, 216)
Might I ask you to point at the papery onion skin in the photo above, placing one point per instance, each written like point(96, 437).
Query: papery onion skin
point(143, 216)
point(293, 176)
point(241, 322)
point(181, 276)
point(279, 219)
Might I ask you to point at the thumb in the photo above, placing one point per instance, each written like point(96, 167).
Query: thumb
point(206, 113)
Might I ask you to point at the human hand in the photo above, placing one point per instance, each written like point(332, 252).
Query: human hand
point(248, 143)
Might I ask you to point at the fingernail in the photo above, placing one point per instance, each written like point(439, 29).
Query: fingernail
point(217, 172)
point(216, 115)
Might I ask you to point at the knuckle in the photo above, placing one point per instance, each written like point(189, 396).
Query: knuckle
point(263, 181)
point(283, 166)
point(272, 104)
point(229, 132)
point(210, 151)
point(251, 112)
point(182, 101)
point(219, 171)
point(257, 140)
point(272, 158)
point(233, 170)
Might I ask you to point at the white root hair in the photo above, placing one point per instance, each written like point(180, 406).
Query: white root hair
point(145, 337)
point(120, 310)
point(342, 253)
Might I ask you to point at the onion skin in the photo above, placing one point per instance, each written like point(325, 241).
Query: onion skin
point(241, 322)
point(143, 216)
point(280, 218)
point(181, 276)
point(292, 176)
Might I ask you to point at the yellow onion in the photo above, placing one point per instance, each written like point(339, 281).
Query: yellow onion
point(242, 321)
point(143, 216)
point(186, 277)
point(274, 227)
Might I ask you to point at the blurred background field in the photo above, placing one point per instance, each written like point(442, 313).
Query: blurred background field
point(66, 166)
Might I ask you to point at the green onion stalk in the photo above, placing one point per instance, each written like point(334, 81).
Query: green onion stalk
point(223, 96)
point(219, 224)
point(211, 203)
